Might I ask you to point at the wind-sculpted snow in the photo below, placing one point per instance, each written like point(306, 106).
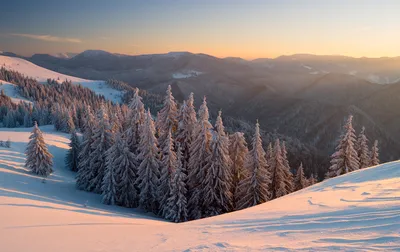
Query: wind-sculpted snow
point(42, 74)
point(355, 212)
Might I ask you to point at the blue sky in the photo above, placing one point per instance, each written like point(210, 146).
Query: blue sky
point(248, 29)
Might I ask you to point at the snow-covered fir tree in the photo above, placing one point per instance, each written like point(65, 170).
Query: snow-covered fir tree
point(362, 149)
point(168, 166)
point(300, 180)
point(38, 158)
point(278, 177)
point(149, 168)
point(238, 151)
point(345, 159)
point(288, 174)
point(167, 119)
point(312, 180)
point(134, 121)
point(110, 180)
point(176, 205)
point(254, 189)
point(218, 183)
point(187, 121)
point(72, 158)
point(374, 154)
point(7, 144)
point(103, 139)
point(199, 156)
point(84, 171)
point(126, 167)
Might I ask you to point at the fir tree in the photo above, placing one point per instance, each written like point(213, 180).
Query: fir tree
point(288, 174)
point(218, 183)
point(103, 139)
point(253, 189)
point(38, 158)
point(110, 180)
point(199, 155)
point(149, 168)
point(176, 205)
point(126, 166)
point(84, 172)
point(238, 152)
point(134, 122)
point(167, 118)
point(311, 181)
point(362, 149)
point(374, 154)
point(300, 181)
point(345, 158)
point(72, 158)
point(187, 121)
point(278, 176)
point(168, 166)
point(7, 144)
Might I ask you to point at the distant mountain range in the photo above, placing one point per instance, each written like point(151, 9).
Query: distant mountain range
point(305, 97)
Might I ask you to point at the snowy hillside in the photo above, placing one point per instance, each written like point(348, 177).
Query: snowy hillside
point(10, 90)
point(358, 211)
point(42, 74)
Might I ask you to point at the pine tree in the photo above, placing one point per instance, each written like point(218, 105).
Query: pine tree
point(300, 181)
point(103, 139)
point(167, 119)
point(218, 183)
point(149, 168)
point(84, 172)
point(110, 180)
point(72, 158)
point(238, 152)
point(199, 155)
point(288, 174)
point(278, 177)
point(126, 166)
point(187, 122)
point(134, 122)
point(7, 144)
point(362, 149)
point(38, 158)
point(253, 189)
point(311, 180)
point(345, 158)
point(168, 166)
point(374, 154)
point(176, 205)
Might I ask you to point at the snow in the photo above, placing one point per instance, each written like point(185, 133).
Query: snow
point(10, 90)
point(42, 74)
point(186, 74)
point(352, 212)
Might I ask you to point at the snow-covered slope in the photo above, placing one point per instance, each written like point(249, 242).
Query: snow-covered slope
point(10, 90)
point(358, 211)
point(42, 74)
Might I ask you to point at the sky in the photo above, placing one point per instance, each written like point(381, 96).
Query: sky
point(247, 28)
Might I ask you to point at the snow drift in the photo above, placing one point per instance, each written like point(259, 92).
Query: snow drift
point(357, 211)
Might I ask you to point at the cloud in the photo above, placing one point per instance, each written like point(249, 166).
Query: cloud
point(47, 38)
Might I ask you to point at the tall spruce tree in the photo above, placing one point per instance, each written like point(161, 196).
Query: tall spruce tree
point(167, 118)
point(374, 154)
point(84, 172)
point(72, 158)
point(254, 189)
point(186, 122)
point(149, 168)
point(300, 181)
point(278, 177)
point(345, 158)
point(199, 156)
point(176, 205)
point(38, 158)
point(238, 151)
point(288, 174)
point(168, 166)
point(126, 166)
point(103, 139)
point(218, 183)
point(134, 122)
point(363, 150)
